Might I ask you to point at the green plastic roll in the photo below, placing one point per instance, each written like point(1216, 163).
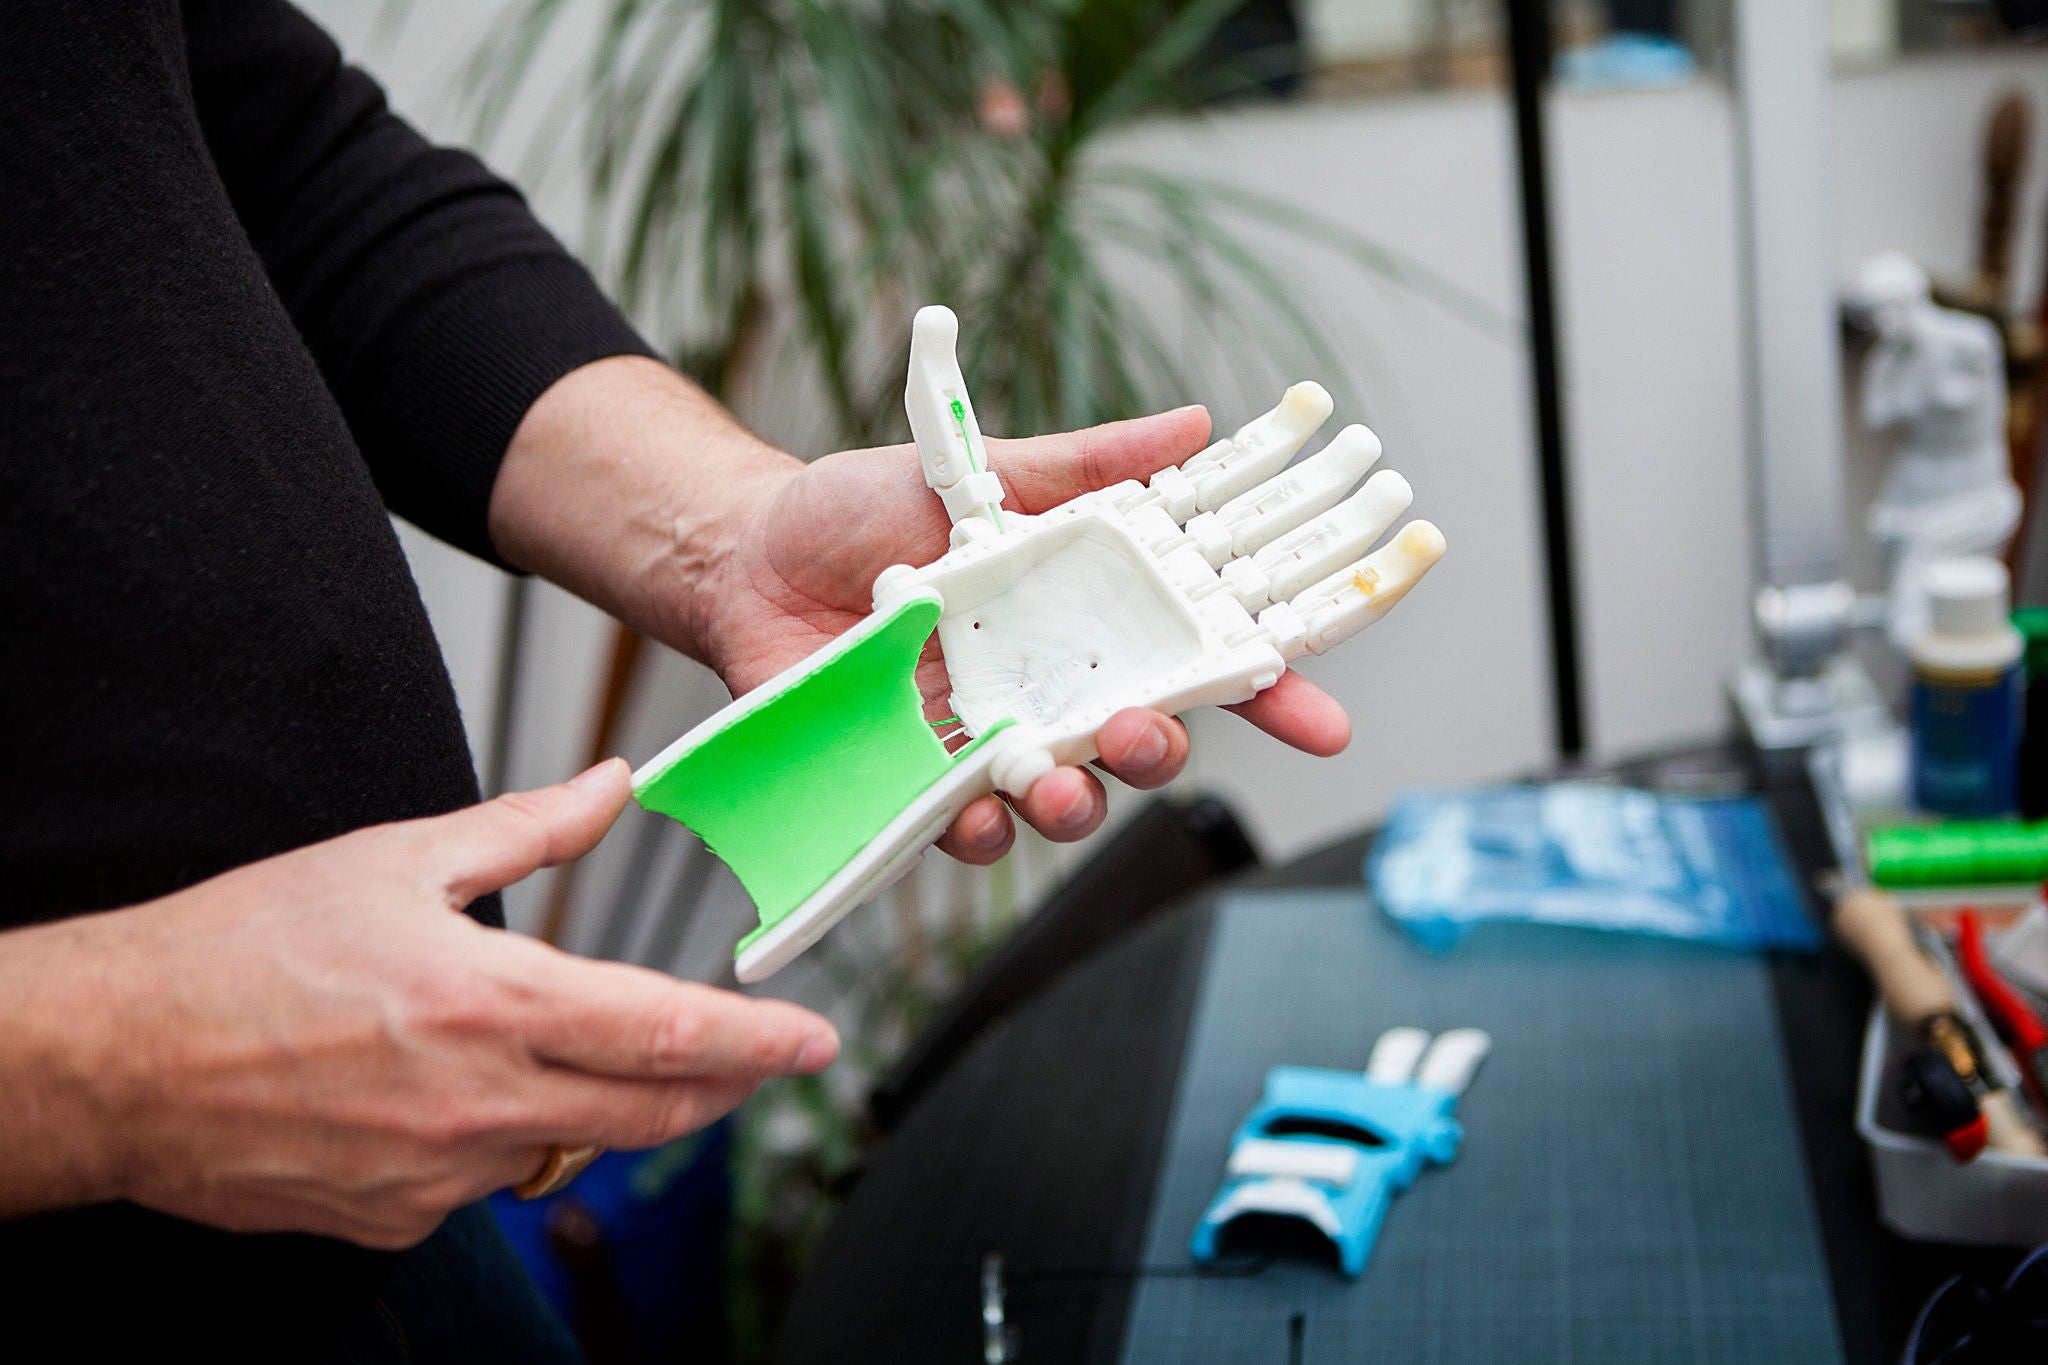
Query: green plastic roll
point(1959, 853)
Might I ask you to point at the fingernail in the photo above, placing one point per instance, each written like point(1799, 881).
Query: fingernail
point(1077, 812)
point(817, 1054)
point(593, 776)
point(1150, 751)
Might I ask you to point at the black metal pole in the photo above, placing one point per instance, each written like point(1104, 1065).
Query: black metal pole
point(1529, 58)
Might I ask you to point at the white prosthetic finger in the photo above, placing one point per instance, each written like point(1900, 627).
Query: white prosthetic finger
point(1286, 500)
point(949, 443)
point(1314, 551)
point(1394, 1056)
point(1258, 450)
point(1329, 612)
point(1452, 1059)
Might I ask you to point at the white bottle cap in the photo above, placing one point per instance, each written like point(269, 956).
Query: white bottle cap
point(1967, 593)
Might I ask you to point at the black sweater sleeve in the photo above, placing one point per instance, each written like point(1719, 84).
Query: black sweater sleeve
point(437, 307)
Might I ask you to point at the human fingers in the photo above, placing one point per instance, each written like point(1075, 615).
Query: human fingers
point(491, 845)
point(1142, 748)
point(1064, 805)
point(981, 834)
point(1295, 711)
point(614, 1019)
point(1041, 472)
point(572, 1109)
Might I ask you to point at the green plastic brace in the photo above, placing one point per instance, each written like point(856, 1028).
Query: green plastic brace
point(829, 772)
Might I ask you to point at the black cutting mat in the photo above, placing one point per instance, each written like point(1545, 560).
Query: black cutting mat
point(1630, 1189)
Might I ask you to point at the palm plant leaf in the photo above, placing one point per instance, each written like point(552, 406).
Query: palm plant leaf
point(829, 163)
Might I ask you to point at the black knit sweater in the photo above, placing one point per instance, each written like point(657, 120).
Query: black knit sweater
point(244, 310)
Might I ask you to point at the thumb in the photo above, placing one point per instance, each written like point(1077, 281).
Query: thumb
point(490, 846)
point(1042, 472)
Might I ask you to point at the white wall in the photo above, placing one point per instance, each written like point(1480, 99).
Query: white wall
point(1453, 688)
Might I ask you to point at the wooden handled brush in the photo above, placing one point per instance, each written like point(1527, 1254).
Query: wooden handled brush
point(1918, 995)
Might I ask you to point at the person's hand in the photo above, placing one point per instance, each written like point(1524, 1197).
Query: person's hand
point(628, 485)
point(803, 570)
point(322, 1042)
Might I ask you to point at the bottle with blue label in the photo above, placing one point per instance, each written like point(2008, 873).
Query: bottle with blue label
point(1966, 696)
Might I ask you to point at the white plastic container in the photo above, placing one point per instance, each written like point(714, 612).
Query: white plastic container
point(1997, 1200)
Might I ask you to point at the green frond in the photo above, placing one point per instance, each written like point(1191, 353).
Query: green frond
point(774, 185)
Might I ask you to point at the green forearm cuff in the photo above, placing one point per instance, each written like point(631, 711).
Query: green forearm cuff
point(793, 787)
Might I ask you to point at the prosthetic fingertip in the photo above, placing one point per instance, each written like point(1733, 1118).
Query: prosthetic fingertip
point(1453, 1059)
point(1388, 488)
point(1395, 1054)
point(1356, 446)
point(1421, 541)
point(1306, 403)
point(934, 326)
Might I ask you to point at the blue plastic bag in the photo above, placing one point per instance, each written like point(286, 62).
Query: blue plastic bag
point(1599, 857)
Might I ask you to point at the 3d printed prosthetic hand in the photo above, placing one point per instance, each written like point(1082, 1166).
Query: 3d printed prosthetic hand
point(1197, 588)
point(1333, 1148)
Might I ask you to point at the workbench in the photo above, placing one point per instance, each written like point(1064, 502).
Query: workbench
point(1046, 1144)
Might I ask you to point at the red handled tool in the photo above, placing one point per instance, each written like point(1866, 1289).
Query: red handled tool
point(2010, 1014)
point(1916, 992)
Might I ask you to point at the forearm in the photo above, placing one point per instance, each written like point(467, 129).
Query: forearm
point(54, 1014)
point(630, 486)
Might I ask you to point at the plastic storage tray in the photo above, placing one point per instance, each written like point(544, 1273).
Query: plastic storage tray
point(1996, 1200)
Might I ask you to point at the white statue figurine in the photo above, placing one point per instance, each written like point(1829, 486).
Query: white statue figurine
point(1940, 374)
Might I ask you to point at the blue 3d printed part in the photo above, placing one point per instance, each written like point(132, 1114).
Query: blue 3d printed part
point(1333, 1148)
